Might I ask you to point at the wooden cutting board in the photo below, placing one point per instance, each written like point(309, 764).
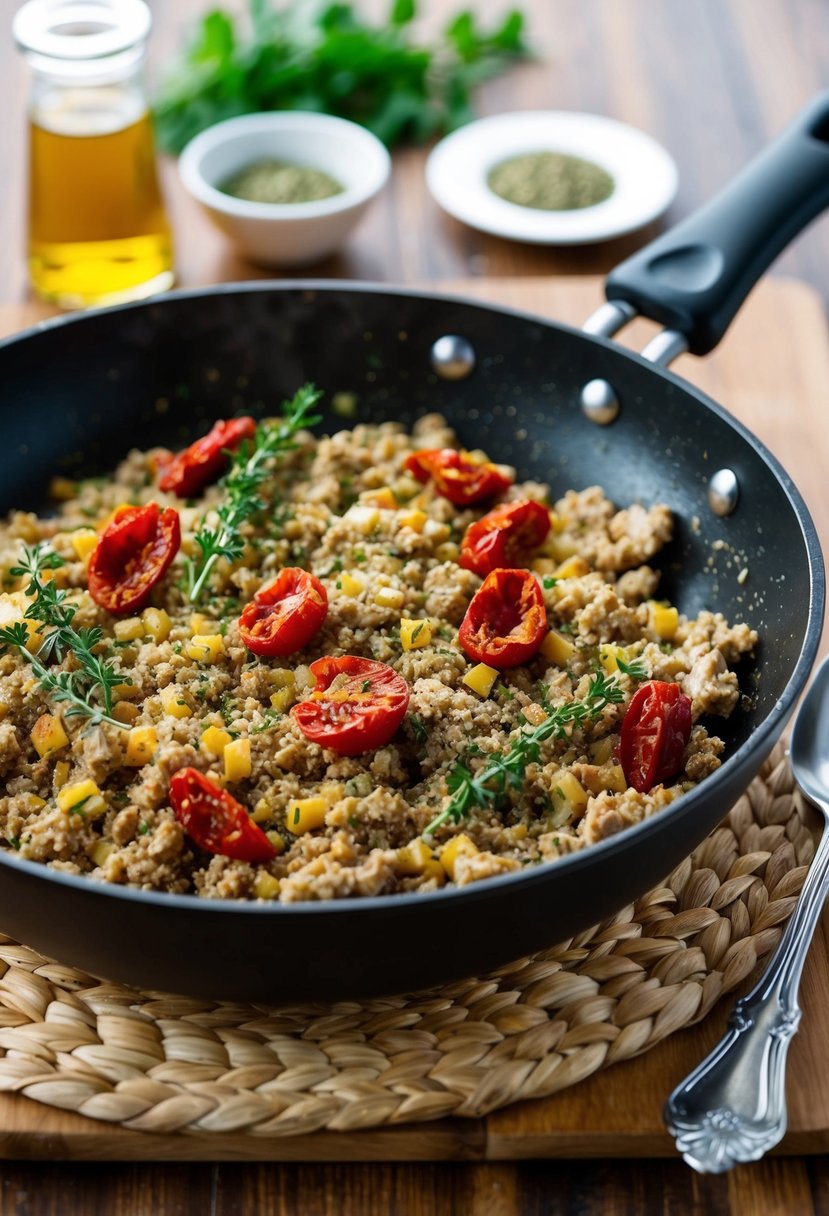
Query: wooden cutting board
point(772, 372)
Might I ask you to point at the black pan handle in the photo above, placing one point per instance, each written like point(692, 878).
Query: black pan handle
point(694, 278)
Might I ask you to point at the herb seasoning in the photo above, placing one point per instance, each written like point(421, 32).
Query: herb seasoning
point(276, 181)
point(550, 181)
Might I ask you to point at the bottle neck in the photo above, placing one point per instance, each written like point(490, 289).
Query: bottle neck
point(85, 98)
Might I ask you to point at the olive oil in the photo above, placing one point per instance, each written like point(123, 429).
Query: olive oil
point(98, 232)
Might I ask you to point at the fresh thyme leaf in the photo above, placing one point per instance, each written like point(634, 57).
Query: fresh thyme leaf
point(249, 469)
point(96, 677)
point(636, 669)
point(506, 770)
point(419, 728)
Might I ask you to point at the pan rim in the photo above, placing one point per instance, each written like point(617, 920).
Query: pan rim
point(631, 838)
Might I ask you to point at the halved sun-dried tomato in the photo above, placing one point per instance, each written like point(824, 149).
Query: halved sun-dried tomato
point(187, 473)
point(215, 820)
point(357, 704)
point(506, 621)
point(133, 553)
point(506, 536)
point(457, 476)
point(655, 732)
point(285, 614)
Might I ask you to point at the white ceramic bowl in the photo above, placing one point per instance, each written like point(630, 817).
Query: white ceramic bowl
point(286, 234)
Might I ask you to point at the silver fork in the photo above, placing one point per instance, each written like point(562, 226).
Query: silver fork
point(732, 1107)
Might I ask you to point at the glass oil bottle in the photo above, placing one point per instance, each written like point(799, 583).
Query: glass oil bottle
point(98, 231)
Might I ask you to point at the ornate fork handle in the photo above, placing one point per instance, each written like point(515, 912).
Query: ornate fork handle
point(732, 1107)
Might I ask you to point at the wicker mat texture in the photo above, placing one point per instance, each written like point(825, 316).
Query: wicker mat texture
point(162, 1063)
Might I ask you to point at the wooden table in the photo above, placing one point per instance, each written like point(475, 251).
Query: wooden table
point(713, 80)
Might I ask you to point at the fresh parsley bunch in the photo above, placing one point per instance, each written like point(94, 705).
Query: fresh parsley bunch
point(322, 56)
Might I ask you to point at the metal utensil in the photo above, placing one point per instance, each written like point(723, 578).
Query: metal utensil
point(732, 1107)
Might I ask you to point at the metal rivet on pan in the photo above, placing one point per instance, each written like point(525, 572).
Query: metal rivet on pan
point(452, 357)
point(723, 492)
point(599, 402)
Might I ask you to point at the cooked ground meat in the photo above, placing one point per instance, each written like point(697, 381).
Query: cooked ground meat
point(386, 548)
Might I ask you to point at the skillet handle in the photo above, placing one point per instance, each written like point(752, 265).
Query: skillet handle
point(693, 278)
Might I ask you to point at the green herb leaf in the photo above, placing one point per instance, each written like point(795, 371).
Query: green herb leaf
point(86, 692)
point(250, 468)
point(323, 56)
point(505, 771)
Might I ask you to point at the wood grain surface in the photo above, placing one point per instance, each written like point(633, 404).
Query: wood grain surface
point(713, 80)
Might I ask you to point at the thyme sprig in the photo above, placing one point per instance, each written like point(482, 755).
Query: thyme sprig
point(96, 676)
point(507, 770)
point(250, 467)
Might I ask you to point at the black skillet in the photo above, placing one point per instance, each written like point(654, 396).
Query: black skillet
point(77, 394)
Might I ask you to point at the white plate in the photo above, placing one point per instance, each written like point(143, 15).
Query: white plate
point(645, 175)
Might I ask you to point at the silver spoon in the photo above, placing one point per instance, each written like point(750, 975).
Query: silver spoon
point(732, 1107)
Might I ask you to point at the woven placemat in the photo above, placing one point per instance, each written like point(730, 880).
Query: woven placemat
point(163, 1063)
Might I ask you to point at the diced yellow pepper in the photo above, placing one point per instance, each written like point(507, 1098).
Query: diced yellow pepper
point(283, 699)
point(574, 567)
point(414, 857)
point(173, 700)
point(561, 548)
point(201, 626)
point(157, 623)
point(129, 629)
point(351, 584)
point(558, 649)
point(433, 869)
point(383, 498)
point(363, 519)
point(459, 846)
point(237, 760)
point(282, 677)
point(215, 740)
point(82, 796)
point(306, 814)
point(557, 524)
point(567, 791)
point(61, 774)
point(125, 712)
point(664, 620)
point(415, 633)
point(262, 812)
point(84, 542)
point(101, 851)
point(142, 742)
point(48, 735)
point(389, 597)
point(265, 886)
point(481, 679)
point(608, 656)
point(277, 840)
point(602, 750)
point(207, 648)
point(413, 518)
point(447, 552)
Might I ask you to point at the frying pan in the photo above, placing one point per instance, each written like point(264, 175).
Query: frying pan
point(567, 407)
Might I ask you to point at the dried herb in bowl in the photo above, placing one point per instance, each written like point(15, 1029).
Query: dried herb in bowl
point(276, 181)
